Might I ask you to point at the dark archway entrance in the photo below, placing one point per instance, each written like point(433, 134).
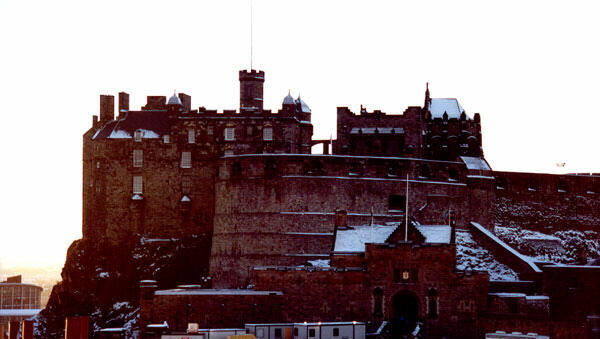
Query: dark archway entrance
point(405, 312)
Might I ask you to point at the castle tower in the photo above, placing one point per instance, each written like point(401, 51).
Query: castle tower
point(251, 90)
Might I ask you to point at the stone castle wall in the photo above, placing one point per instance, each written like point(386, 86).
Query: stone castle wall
point(279, 210)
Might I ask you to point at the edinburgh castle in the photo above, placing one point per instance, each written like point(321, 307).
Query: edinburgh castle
point(366, 231)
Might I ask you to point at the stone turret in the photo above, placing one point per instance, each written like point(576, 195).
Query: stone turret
point(251, 90)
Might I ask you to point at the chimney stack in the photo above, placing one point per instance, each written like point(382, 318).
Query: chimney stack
point(107, 108)
point(186, 100)
point(123, 104)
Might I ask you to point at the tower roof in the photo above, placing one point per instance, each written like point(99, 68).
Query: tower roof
point(437, 107)
point(288, 100)
point(303, 106)
point(174, 100)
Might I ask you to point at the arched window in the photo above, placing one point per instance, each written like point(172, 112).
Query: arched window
point(432, 303)
point(378, 302)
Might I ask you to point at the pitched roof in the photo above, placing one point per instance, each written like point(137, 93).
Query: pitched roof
point(437, 107)
point(154, 124)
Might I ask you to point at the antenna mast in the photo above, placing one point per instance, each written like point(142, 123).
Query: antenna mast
point(251, 36)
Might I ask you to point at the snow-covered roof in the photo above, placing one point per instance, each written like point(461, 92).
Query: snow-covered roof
point(174, 100)
point(474, 163)
point(303, 106)
point(354, 239)
point(180, 291)
point(438, 106)
point(435, 234)
point(380, 130)
point(27, 312)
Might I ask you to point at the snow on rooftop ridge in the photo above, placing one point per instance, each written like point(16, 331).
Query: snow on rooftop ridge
point(474, 163)
point(354, 239)
point(438, 106)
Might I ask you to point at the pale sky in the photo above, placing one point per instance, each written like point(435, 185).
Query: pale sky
point(531, 68)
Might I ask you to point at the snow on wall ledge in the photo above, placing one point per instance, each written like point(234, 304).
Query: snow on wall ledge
point(523, 265)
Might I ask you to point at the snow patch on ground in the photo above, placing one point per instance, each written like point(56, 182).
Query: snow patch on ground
point(560, 247)
point(471, 256)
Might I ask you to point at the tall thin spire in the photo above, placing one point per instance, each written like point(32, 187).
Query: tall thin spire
point(251, 36)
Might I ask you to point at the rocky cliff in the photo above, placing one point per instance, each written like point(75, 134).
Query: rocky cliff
point(102, 280)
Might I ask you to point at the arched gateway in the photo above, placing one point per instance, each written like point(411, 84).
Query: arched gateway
point(405, 313)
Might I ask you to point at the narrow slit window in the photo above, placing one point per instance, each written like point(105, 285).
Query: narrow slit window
point(138, 184)
point(186, 159)
point(138, 158)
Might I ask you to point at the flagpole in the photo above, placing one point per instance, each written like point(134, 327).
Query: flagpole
point(406, 212)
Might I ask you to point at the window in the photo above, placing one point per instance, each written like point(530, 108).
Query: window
point(186, 159)
point(97, 164)
point(432, 304)
point(210, 130)
point(191, 136)
point(424, 172)
point(137, 184)
point(378, 302)
point(396, 203)
point(453, 175)
point(336, 332)
point(267, 133)
point(311, 332)
point(186, 185)
point(137, 135)
point(138, 157)
point(166, 138)
point(229, 134)
point(277, 333)
point(249, 131)
point(228, 152)
point(295, 331)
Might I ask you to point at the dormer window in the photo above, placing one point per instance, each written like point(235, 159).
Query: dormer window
point(191, 136)
point(268, 134)
point(137, 135)
point(138, 157)
point(229, 134)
